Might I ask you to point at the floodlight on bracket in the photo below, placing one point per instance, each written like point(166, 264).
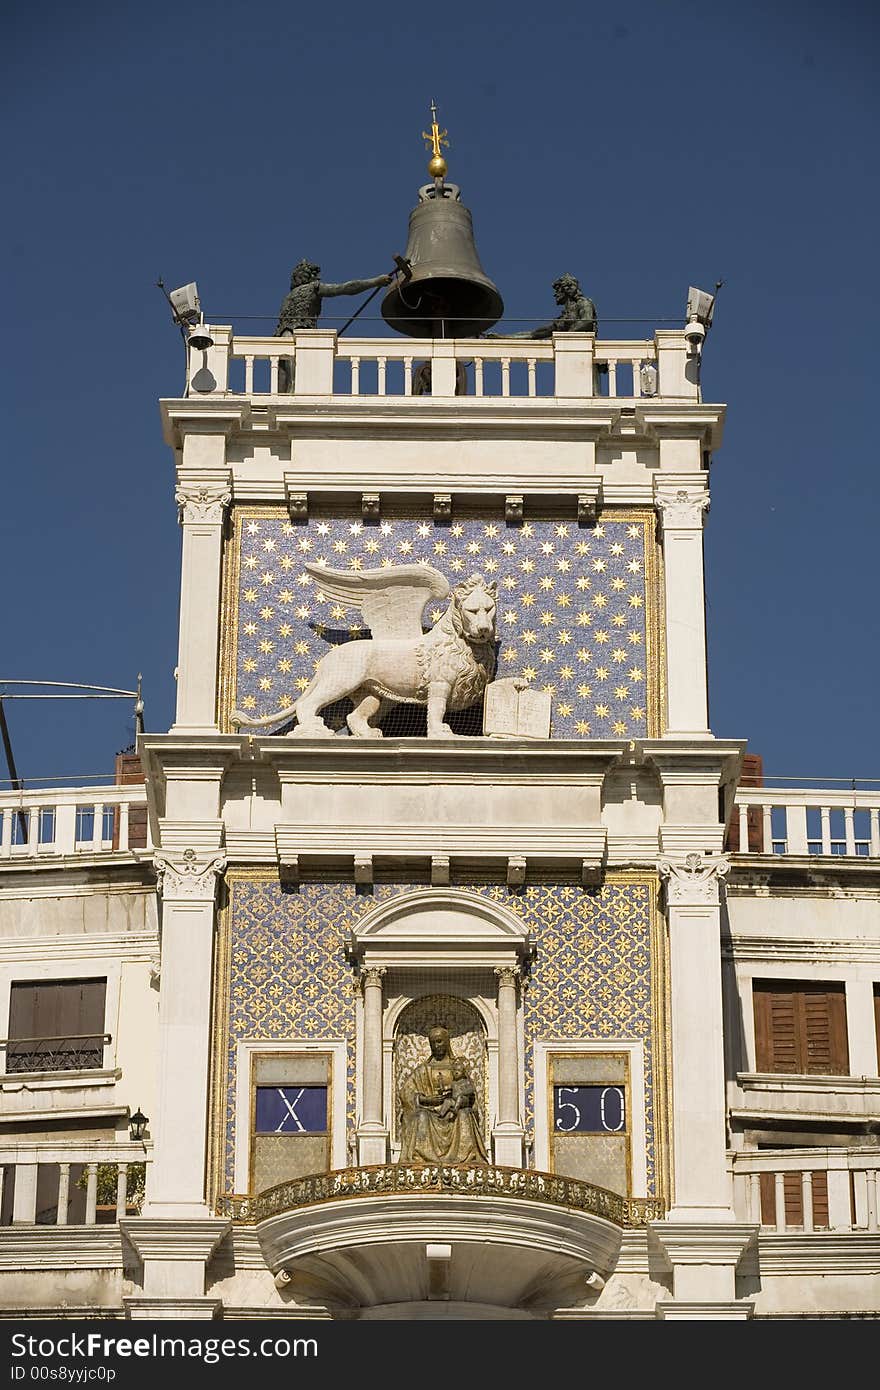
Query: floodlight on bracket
point(186, 311)
point(698, 314)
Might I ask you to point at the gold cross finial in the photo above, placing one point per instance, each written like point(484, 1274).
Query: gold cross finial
point(434, 141)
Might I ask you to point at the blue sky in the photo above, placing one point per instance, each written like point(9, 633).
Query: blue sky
point(644, 148)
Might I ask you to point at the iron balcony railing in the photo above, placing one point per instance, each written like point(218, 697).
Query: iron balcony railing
point(73, 1052)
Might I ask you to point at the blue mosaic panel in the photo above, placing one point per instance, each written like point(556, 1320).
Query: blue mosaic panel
point(571, 619)
point(592, 980)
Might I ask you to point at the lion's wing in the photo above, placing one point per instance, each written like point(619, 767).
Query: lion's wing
point(390, 599)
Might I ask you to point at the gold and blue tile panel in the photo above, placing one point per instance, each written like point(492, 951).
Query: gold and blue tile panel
point(576, 606)
point(597, 975)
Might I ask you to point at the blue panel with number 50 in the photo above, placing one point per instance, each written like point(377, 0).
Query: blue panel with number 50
point(588, 1109)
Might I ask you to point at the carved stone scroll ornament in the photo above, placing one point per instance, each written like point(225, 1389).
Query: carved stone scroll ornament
point(695, 880)
point(188, 876)
point(681, 508)
point(202, 504)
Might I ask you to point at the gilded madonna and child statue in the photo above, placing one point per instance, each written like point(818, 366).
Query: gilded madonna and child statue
point(439, 1115)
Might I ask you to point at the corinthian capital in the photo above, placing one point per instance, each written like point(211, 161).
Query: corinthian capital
point(201, 502)
point(372, 975)
point(695, 880)
point(507, 976)
point(188, 876)
point(680, 501)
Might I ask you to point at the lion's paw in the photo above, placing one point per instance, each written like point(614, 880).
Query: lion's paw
point(312, 728)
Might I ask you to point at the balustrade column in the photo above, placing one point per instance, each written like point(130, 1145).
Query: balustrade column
point(372, 1135)
point(24, 1200)
point(91, 1193)
point(121, 1190)
point(508, 1132)
point(63, 1193)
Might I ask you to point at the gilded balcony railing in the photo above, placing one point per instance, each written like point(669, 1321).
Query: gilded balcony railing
point(466, 1181)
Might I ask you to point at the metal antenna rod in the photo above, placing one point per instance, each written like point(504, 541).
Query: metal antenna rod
point(13, 773)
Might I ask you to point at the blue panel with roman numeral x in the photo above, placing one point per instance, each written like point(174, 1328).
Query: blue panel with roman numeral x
point(291, 1109)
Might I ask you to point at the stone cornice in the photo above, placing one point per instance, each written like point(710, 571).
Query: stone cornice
point(202, 415)
point(34, 1248)
point(817, 869)
point(122, 868)
point(127, 946)
point(178, 1239)
point(402, 759)
point(788, 948)
point(687, 1242)
point(681, 419)
point(821, 1253)
point(792, 1082)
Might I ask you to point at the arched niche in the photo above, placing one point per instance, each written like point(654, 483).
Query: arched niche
point(439, 942)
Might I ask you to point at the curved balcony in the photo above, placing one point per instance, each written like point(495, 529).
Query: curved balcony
point(520, 1242)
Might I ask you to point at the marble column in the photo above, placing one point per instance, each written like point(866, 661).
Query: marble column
point(701, 1181)
point(176, 1178)
point(202, 507)
point(508, 1132)
point(372, 1133)
point(681, 500)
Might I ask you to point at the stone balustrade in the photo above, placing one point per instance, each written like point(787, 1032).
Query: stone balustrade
point(804, 821)
point(71, 1182)
point(320, 363)
point(76, 820)
point(807, 1189)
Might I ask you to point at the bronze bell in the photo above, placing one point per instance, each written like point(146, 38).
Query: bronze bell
point(448, 294)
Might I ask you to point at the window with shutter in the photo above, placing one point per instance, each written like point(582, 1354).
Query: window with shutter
point(877, 1023)
point(56, 1025)
point(800, 1028)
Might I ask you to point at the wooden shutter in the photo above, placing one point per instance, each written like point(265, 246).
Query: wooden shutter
point(800, 1028)
point(825, 1043)
point(877, 1023)
point(776, 1028)
point(53, 1011)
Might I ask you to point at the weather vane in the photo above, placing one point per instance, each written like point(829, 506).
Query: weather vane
point(437, 164)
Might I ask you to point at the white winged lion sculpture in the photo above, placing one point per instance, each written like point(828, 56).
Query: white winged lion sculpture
point(446, 668)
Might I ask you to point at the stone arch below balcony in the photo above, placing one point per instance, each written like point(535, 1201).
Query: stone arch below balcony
point(422, 1254)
